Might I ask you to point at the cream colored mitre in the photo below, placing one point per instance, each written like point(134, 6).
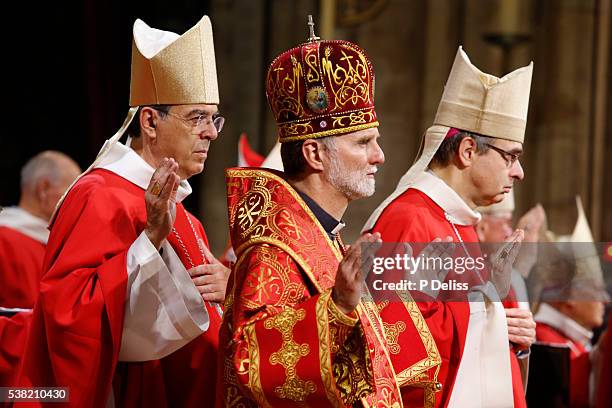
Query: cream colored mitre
point(474, 101)
point(167, 69)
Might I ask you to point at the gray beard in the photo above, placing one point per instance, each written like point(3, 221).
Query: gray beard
point(354, 184)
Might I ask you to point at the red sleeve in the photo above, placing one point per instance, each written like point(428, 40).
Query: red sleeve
point(77, 322)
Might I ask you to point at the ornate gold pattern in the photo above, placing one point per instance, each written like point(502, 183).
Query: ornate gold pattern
point(289, 354)
point(352, 79)
point(292, 129)
point(433, 358)
point(284, 104)
point(393, 330)
point(263, 177)
point(312, 61)
point(283, 222)
point(381, 305)
point(321, 77)
point(353, 369)
point(330, 132)
point(324, 350)
point(254, 378)
point(354, 118)
point(387, 386)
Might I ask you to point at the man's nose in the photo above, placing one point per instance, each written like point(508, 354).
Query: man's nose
point(516, 171)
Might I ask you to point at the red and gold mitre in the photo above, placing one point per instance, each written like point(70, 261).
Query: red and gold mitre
point(321, 88)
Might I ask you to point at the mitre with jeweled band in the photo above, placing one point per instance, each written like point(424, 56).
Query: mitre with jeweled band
point(321, 88)
point(473, 101)
point(167, 69)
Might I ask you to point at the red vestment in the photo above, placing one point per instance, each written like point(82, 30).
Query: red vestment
point(21, 259)
point(414, 217)
point(77, 324)
point(13, 333)
point(285, 343)
point(549, 330)
point(604, 389)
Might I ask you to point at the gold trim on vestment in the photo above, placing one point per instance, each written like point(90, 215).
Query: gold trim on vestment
point(254, 374)
point(246, 173)
point(324, 351)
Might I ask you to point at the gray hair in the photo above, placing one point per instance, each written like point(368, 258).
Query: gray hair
point(47, 164)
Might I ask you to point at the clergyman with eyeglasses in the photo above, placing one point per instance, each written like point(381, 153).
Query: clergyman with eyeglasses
point(469, 158)
point(129, 310)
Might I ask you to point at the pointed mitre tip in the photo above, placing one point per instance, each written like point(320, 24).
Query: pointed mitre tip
point(582, 230)
point(205, 22)
point(139, 25)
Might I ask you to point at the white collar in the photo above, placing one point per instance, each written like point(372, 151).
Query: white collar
point(19, 219)
point(447, 198)
point(565, 324)
point(125, 162)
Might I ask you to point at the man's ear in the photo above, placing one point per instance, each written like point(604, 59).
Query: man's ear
point(466, 152)
point(42, 189)
point(148, 121)
point(312, 150)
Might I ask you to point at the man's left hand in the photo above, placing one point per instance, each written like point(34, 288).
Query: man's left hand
point(521, 328)
point(210, 279)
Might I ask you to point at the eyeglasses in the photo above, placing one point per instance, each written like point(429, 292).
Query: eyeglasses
point(510, 158)
point(199, 123)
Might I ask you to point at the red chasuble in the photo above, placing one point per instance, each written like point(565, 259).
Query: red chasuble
point(13, 333)
point(604, 389)
point(414, 217)
point(21, 259)
point(580, 365)
point(285, 343)
point(76, 329)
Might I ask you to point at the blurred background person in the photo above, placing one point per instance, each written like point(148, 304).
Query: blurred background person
point(570, 286)
point(23, 228)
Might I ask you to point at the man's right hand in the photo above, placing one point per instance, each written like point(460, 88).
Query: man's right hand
point(502, 261)
point(160, 200)
point(353, 270)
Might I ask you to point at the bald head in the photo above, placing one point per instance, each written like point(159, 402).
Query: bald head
point(44, 178)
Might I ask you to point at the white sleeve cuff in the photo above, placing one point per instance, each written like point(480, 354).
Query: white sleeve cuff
point(163, 310)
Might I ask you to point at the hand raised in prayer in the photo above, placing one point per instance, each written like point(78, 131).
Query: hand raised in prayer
point(532, 223)
point(353, 270)
point(210, 279)
point(160, 200)
point(502, 261)
point(438, 248)
point(521, 328)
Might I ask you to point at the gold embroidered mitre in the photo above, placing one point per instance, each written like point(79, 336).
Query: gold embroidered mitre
point(170, 69)
point(321, 88)
point(483, 103)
